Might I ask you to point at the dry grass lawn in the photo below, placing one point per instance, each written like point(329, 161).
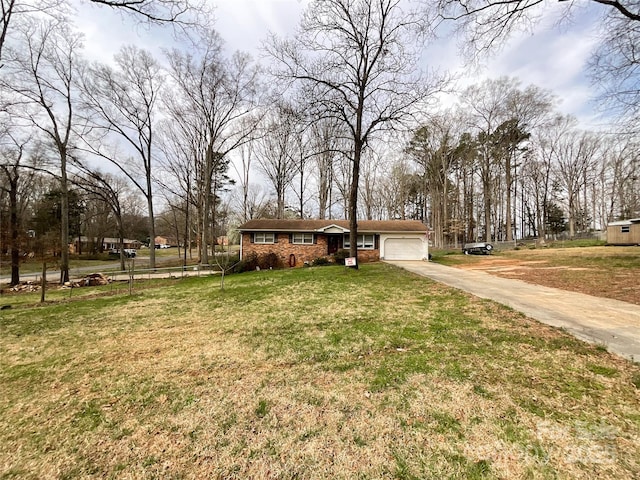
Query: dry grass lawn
point(609, 272)
point(308, 374)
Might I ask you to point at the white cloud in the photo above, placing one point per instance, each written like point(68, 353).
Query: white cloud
point(106, 30)
point(244, 24)
point(557, 62)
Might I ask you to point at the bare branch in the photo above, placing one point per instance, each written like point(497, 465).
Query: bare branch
point(635, 16)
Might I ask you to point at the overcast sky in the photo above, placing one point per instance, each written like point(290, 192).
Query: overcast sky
point(551, 57)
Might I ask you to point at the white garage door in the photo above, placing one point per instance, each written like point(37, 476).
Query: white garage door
point(403, 249)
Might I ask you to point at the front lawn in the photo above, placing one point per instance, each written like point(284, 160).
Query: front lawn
point(311, 373)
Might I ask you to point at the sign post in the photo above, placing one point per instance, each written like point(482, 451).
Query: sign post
point(350, 262)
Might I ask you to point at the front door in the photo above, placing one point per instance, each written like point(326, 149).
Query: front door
point(333, 242)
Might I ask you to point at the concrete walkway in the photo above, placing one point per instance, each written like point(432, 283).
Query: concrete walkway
point(612, 323)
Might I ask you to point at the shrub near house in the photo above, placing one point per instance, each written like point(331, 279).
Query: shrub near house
point(297, 242)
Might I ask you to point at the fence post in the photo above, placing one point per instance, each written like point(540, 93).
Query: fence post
point(131, 270)
point(44, 282)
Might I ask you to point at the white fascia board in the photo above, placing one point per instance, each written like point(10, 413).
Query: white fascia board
point(397, 232)
point(624, 222)
point(333, 228)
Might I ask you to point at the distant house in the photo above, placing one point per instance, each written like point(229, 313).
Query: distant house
point(165, 242)
point(624, 232)
point(300, 241)
point(86, 244)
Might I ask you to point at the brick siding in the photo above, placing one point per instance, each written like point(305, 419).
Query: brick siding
point(302, 253)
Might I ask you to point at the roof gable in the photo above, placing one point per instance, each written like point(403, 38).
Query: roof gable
point(333, 228)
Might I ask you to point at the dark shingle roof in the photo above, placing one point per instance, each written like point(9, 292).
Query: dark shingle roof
point(372, 226)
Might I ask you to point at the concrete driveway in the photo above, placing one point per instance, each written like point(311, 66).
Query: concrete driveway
point(612, 323)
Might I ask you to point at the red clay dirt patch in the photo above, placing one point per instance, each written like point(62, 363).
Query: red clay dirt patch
point(584, 270)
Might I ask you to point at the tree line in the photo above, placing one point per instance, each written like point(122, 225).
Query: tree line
point(342, 122)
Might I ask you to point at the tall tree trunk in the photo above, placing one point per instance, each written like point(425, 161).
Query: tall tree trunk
point(469, 210)
point(436, 218)
point(121, 240)
point(324, 182)
point(302, 190)
point(187, 235)
point(508, 213)
point(445, 208)
point(214, 218)
point(280, 192)
point(353, 198)
point(207, 198)
point(204, 229)
point(486, 186)
point(152, 227)
point(572, 216)
point(64, 220)
point(15, 228)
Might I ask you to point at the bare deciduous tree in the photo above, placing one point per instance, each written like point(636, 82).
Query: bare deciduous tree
point(177, 12)
point(575, 162)
point(215, 97)
point(158, 11)
point(17, 170)
point(537, 171)
point(342, 173)
point(615, 66)
point(488, 22)
point(179, 144)
point(623, 165)
point(41, 71)
point(275, 152)
point(12, 10)
point(243, 170)
point(394, 189)
point(372, 163)
point(327, 146)
point(354, 62)
point(303, 152)
point(110, 190)
point(122, 104)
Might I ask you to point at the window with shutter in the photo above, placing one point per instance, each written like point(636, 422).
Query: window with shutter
point(303, 238)
point(263, 237)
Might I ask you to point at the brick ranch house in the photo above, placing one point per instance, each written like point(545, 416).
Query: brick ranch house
point(300, 241)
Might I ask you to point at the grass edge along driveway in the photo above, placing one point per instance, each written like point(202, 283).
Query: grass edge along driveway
point(311, 373)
